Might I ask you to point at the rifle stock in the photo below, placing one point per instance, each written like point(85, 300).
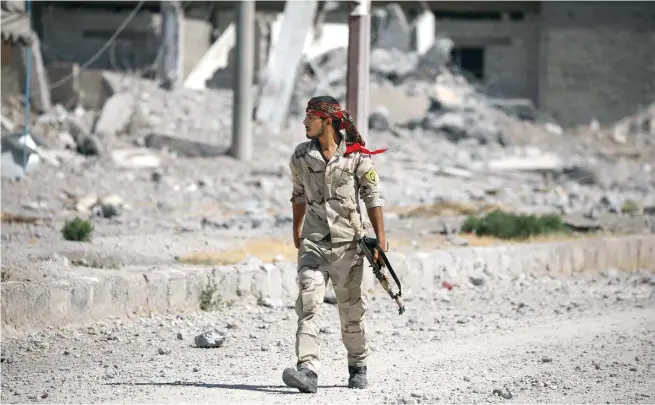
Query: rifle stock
point(368, 245)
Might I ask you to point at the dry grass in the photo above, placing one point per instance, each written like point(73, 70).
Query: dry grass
point(22, 219)
point(264, 249)
point(267, 249)
point(446, 209)
point(475, 240)
point(440, 241)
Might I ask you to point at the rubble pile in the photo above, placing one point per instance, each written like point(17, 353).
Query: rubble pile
point(454, 106)
point(447, 140)
point(139, 110)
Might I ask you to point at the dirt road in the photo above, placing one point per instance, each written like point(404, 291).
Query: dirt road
point(544, 339)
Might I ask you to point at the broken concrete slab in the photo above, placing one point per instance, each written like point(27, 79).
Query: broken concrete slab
point(182, 147)
point(137, 290)
point(424, 28)
point(135, 158)
point(279, 79)
point(214, 59)
point(115, 116)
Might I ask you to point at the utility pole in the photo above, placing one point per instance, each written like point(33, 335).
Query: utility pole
point(172, 17)
point(244, 70)
point(359, 51)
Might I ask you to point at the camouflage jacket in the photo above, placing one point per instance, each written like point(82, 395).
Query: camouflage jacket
point(331, 190)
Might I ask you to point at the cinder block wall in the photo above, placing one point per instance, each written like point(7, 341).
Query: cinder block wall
point(510, 56)
point(597, 60)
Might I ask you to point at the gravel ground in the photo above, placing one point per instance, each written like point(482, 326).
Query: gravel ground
point(546, 339)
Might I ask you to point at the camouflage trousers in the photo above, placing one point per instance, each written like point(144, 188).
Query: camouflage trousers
point(344, 266)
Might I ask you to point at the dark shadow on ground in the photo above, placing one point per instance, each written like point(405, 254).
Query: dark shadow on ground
point(279, 389)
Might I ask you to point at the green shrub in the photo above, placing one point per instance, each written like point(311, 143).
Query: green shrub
point(77, 230)
point(514, 226)
point(630, 207)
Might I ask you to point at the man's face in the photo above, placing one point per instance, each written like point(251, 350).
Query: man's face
point(314, 126)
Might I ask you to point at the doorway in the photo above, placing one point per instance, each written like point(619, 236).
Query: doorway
point(470, 59)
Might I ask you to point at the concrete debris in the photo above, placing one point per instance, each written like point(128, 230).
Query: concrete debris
point(433, 61)
point(105, 207)
point(115, 115)
point(380, 119)
point(210, 339)
point(7, 123)
point(390, 28)
point(638, 128)
point(135, 158)
point(452, 107)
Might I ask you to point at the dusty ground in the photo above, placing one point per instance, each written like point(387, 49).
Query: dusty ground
point(588, 338)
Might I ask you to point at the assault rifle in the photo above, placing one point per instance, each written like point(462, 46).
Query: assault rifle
point(368, 245)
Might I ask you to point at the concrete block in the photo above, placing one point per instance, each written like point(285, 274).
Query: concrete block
point(245, 280)
point(177, 289)
point(82, 297)
point(578, 259)
point(130, 292)
point(273, 276)
point(227, 281)
point(646, 255)
point(288, 279)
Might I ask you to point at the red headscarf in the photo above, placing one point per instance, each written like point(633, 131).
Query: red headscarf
point(327, 107)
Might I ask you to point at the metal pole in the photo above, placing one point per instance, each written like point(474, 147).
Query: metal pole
point(28, 71)
point(358, 72)
point(243, 78)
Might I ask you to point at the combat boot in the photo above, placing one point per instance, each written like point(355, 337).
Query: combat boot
point(357, 377)
point(305, 380)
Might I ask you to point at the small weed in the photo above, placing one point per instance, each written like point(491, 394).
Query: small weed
point(505, 225)
point(77, 230)
point(5, 275)
point(207, 300)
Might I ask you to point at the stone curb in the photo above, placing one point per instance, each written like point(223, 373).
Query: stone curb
point(143, 290)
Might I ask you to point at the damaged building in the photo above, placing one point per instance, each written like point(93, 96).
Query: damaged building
point(576, 61)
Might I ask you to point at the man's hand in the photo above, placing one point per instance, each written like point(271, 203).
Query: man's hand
point(376, 254)
point(377, 220)
point(298, 216)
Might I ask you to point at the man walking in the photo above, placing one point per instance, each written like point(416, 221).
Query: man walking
point(329, 173)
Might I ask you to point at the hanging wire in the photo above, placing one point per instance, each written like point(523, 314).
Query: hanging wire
point(28, 71)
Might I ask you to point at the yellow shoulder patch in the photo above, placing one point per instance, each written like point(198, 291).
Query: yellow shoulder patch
point(371, 176)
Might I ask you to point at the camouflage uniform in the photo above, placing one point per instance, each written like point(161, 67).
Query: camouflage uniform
point(328, 249)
